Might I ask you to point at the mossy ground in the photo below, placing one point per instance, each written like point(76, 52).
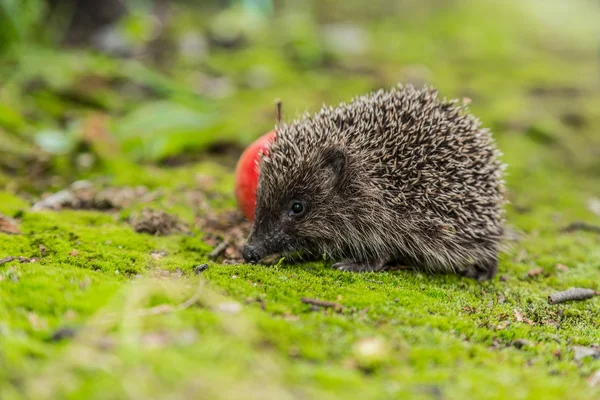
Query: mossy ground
point(129, 328)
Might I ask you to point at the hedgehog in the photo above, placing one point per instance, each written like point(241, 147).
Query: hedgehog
point(395, 177)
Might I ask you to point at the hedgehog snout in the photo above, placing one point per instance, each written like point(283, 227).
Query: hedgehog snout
point(263, 242)
point(250, 254)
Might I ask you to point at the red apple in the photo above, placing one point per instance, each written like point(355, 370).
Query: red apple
point(246, 174)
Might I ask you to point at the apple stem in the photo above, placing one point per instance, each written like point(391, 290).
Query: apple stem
point(278, 111)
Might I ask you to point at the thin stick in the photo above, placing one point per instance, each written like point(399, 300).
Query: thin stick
point(571, 295)
point(192, 300)
point(218, 250)
point(581, 226)
point(6, 259)
point(278, 111)
point(322, 303)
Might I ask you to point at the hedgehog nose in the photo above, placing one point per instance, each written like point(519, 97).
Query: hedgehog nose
point(250, 254)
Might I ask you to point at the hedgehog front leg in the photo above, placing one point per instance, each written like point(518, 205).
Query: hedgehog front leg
point(361, 266)
point(482, 270)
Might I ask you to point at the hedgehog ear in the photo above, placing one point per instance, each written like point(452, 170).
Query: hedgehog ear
point(335, 160)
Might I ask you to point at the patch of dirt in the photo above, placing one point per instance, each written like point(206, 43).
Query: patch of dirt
point(156, 223)
point(82, 195)
point(227, 232)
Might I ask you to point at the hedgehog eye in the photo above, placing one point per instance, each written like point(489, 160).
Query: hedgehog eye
point(296, 208)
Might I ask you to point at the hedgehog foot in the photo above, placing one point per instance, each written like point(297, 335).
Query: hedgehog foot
point(366, 266)
point(482, 271)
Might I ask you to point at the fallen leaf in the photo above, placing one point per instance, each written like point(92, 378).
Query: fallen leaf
point(158, 254)
point(469, 309)
point(535, 272)
point(562, 267)
point(520, 318)
point(7, 225)
point(518, 315)
point(74, 253)
point(557, 353)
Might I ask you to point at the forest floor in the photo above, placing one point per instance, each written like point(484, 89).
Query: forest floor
point(116, 186)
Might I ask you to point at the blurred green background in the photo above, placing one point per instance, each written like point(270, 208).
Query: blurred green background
point(163, 81)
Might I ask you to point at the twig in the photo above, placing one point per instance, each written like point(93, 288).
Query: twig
point(323, 303)
point(192, 300)
point(581, 226)
point(6, 259)
point(572, 294)
point(218, 250)
point(278, 111)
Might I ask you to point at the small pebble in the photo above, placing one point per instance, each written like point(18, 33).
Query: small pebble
point(200, 268)
point(63, 333)
point(581, 352)
point(370, 352)
point(520, 343)
point(231, 307)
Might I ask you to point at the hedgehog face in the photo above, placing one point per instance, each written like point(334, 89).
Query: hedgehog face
point(296, 211)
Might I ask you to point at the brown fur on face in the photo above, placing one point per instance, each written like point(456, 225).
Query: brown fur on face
point(394, 175)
